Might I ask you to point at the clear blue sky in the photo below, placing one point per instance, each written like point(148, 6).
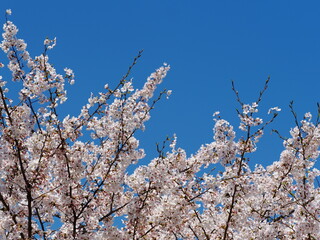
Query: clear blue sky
point(207, 43)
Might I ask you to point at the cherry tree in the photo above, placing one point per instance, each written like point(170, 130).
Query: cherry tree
point(67, 177)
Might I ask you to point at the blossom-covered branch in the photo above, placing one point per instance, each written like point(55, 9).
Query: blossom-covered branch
point(67, 177)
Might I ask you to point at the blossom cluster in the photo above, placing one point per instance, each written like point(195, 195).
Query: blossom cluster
point(69, 178)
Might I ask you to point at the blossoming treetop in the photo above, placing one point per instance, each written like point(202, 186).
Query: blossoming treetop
point(59, 182)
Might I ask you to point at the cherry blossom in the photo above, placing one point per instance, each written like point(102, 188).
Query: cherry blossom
point(68, 177)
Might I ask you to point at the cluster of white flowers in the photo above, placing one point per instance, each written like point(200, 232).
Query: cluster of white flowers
point(274, 109)
point(50, 43)
point(48, 171)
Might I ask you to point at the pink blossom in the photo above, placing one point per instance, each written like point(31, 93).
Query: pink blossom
point(72, 177)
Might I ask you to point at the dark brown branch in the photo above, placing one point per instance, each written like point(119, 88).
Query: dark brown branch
point(230, 213)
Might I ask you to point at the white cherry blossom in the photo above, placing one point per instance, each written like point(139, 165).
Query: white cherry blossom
point(77, 177)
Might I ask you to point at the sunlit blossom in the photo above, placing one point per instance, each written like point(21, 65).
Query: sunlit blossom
point(74, 177)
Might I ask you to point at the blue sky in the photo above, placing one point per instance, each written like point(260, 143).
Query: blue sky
point(207, 43)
